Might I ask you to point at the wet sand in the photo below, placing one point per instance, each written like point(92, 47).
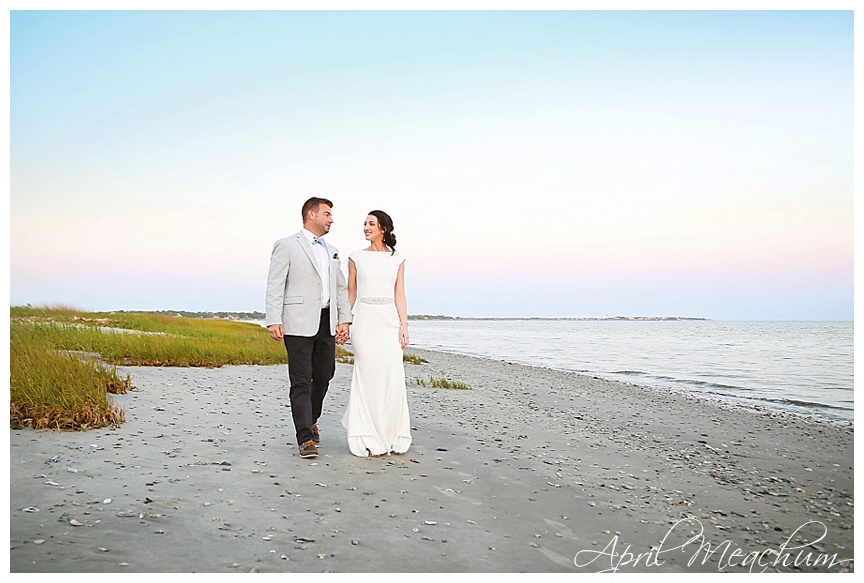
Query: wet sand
point(531, 470)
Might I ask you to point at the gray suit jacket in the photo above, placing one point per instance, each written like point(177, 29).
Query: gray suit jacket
point(294, 288)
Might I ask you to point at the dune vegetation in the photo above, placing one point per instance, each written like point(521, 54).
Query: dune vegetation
point(63, 361)
point(442, 383)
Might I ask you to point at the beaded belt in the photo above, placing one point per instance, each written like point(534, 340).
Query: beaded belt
point(375, 300)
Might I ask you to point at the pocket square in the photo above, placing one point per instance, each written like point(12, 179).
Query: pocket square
point(335, 256)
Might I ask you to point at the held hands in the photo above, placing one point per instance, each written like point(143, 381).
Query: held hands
point(276, 332)
point(342, 333)
point(403, 334)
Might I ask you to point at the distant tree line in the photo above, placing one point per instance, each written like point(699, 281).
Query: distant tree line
point(261, 316)
point(186, 314)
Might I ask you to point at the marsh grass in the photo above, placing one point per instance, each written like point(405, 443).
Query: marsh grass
point(155, 340)
point(413, 359)
point(151, 339)
point(441, 384)
point(49, 389)
point(53, 386)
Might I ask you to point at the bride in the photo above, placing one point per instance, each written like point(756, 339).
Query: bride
point(377, 417)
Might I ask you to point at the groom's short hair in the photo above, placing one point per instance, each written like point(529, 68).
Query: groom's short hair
point(312, 205)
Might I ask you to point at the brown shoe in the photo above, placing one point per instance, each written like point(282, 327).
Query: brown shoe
point(316, 437)
point(308, 449)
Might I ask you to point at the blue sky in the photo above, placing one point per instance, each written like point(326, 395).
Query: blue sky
point(561, 164)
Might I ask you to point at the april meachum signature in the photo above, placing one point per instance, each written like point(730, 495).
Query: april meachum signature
point(728, 555)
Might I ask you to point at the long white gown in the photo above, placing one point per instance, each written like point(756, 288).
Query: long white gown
point(377, 416)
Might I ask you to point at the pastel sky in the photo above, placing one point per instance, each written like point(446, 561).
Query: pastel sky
point(536, 163)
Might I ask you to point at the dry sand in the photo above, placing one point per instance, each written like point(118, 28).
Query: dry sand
point(528, 471)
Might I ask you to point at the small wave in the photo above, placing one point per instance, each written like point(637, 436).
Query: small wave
point(808, 404)
point(702, 384)
point(629, 372)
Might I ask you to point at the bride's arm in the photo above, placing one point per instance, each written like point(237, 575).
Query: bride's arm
point(352, 282)
point(401, 305)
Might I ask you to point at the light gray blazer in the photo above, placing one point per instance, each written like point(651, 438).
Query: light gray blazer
point(294, 288)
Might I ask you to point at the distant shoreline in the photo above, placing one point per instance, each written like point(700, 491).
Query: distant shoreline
point(261, 316)
point(615, 318)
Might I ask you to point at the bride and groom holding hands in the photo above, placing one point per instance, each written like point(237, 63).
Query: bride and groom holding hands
point(309, 308)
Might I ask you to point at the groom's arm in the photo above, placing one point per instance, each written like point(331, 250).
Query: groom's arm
point(280, 263)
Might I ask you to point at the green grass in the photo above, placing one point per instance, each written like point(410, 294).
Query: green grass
point(165, 341)
point(413, 359)
point(53, 386)
point(441, 384)
point(50, 389)
point(169, 340)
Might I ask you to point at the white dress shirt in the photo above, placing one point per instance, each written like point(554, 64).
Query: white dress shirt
point(323, 260)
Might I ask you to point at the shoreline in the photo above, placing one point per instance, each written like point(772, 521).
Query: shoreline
point(528, 471)
point(806, 410)
point(755, 404)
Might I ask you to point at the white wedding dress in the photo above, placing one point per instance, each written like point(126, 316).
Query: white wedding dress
point(377, 416)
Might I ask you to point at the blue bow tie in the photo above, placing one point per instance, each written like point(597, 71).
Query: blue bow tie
point(319, 240)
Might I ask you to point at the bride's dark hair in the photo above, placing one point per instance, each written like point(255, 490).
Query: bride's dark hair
point(386, 224)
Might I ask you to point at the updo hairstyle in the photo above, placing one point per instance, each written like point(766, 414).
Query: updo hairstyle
point(386, 224)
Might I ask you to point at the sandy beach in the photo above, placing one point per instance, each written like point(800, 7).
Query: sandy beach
point(531, 470)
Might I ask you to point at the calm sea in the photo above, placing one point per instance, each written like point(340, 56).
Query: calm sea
point(802, 367)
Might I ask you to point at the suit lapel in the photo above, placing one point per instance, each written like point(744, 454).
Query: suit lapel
point(307, 248)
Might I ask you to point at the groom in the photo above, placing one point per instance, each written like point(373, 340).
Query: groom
point(307, 304)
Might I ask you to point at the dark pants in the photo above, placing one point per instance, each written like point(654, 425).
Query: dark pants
point(311, 365)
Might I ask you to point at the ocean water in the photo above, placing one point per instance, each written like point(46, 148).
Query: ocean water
point(801, 367)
